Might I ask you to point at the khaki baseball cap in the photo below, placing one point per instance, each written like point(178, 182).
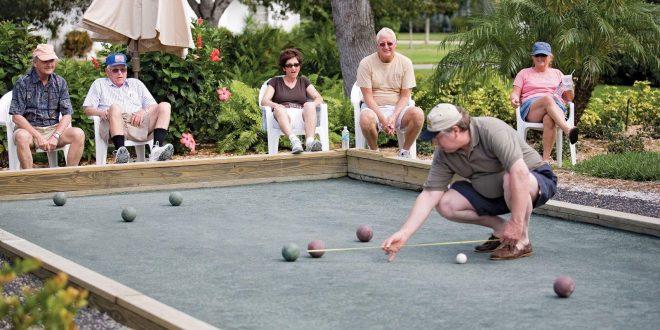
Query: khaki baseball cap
point(45, 52)
point(441, 117)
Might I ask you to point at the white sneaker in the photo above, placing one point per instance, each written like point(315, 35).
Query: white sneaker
point(314, 146)
point(159, 153)
point(121, 155)
point(296, 146)
point(404, 153)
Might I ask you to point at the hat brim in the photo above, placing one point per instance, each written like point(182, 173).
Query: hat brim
point(427, 135)
point(544, 52)
point(117, 64)
point(48, 57)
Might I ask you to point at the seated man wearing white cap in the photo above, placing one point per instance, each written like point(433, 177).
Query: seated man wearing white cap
point(506, 176)
point(128, 111)
point(37, 101)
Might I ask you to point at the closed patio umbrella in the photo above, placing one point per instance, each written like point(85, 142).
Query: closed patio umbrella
point(145, 25)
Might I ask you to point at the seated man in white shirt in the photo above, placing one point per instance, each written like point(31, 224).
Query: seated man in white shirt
point(128, 111)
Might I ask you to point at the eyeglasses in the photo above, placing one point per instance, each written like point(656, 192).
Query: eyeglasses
point(540, 55)
point(291, 65)
point(383, 44)
point(117, 70)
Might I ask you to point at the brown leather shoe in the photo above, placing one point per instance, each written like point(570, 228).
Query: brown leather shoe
point(509, 252)
point(488, 246)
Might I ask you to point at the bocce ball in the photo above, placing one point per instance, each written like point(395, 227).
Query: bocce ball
point(290, 252)
point(364, 233)
point(59, 199)
point(316, 245)
point(129, 214)
point(564, 286)
point(176, 198)
point(461, 258)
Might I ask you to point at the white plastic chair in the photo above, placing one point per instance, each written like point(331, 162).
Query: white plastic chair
point(6, 120)
point(523, 126)
point(272, 128)
point(102, 144)
point(360, 141)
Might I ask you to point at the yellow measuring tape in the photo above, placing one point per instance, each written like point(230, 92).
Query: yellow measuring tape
point(409, 245)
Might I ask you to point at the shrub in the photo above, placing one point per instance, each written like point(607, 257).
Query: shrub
point(620, 143)
point(16, 46)
point(239, 121)
point(77, 43)
point(638, 166)
point(54, 306)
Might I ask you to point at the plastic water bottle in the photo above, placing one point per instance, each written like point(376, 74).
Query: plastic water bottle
point(345, 138)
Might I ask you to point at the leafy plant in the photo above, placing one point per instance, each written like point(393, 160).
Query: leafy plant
point(77, 43)
point(54, 306)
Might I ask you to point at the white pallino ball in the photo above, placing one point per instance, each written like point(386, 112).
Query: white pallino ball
point(461, 258)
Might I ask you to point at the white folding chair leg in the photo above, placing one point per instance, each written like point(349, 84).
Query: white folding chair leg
point(140, 153)
point(559, 145)
point(325, 140)
point(101, 151)
point(413, 150)
point(573, 154)
point(14, 163)
point(52, 158)
point(273, 142)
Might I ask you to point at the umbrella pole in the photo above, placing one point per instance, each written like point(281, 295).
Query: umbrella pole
point(135, 57)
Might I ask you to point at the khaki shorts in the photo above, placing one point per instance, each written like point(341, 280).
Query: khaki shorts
point(133, 133)
point(45, 132)
point(387, 110)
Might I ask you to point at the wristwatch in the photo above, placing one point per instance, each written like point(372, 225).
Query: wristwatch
point(57, 135)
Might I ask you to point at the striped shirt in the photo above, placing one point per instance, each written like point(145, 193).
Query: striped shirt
point(131, 97)
point(40, 104)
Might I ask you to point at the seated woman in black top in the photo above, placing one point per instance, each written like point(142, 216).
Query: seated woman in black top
point(288, 95)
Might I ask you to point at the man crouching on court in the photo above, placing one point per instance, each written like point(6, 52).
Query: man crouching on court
point(506, 176)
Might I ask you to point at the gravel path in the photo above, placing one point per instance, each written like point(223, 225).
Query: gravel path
point(87, 318)
point(617, 202)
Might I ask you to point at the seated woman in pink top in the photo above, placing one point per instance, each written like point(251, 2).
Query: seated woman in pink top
point(535, 91)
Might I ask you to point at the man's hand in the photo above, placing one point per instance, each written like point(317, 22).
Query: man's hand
point(41, 142)
point(511, 233)
point(137, 117)
point(103, 115)
point(393, 244)
point(391, 124)
point(51, 143)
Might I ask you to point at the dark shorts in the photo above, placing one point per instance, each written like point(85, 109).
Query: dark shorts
point(546, 179)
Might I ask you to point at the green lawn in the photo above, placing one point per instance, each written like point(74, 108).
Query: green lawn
point(424, 54)
point(435, 36)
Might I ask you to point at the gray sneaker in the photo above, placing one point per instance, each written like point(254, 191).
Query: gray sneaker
point(296, 146)
point(403, 153)
point(163, 153)
point(314, 146)
point(121, 155)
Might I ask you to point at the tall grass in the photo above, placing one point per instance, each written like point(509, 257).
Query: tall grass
point(637, 166)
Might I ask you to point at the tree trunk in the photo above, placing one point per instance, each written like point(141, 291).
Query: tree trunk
point(410, 33)
point(427, 30)
point(210, 10)
point(354, 29)
point(582, 95)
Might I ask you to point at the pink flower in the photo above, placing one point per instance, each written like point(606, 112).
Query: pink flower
point(199, 41)
point(95, 63)
point(223, 94)
point(189, 141)
point(215, 55)
point(200, 21)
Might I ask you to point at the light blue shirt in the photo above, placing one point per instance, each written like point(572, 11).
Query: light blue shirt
point(131, 97)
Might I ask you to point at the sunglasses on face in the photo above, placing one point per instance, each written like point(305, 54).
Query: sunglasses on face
point(291, 65)
point(540, 55)
point(383, 44)
point(117, 70)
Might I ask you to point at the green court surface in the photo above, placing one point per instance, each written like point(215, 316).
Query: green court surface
point(217, 257)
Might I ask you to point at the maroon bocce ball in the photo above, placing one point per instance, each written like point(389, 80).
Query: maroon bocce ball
point(364, 233)
point(316, 245)
point(564, 286)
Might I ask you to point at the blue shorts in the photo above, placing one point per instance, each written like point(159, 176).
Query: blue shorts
point(524, 108)
point(546, 179)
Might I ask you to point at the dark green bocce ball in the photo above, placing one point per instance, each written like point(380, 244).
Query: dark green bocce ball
point(176, 198)
point(129, 214)
point(290, 252)
point(59, 199)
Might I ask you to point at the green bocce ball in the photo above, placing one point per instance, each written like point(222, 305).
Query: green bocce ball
point(176, 198)
point(290, 252)
point(59, 199)
point(129, 214)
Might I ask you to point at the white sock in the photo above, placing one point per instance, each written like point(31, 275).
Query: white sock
point(309, 140)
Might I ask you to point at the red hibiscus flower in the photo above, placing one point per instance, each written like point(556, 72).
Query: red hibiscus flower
point(215, 55)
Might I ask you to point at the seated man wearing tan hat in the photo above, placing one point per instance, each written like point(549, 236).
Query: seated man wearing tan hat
point(38, 99)
point(128, 111)
point(506, 176)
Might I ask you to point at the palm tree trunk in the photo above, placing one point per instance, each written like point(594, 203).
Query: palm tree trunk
point(410, 33)
point(427, 30)
point(582, 96)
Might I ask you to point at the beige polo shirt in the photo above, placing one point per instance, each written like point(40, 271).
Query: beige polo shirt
point(494, 147)
point(386, 80)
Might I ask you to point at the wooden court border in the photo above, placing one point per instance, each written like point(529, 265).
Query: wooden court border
point(137, 310)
